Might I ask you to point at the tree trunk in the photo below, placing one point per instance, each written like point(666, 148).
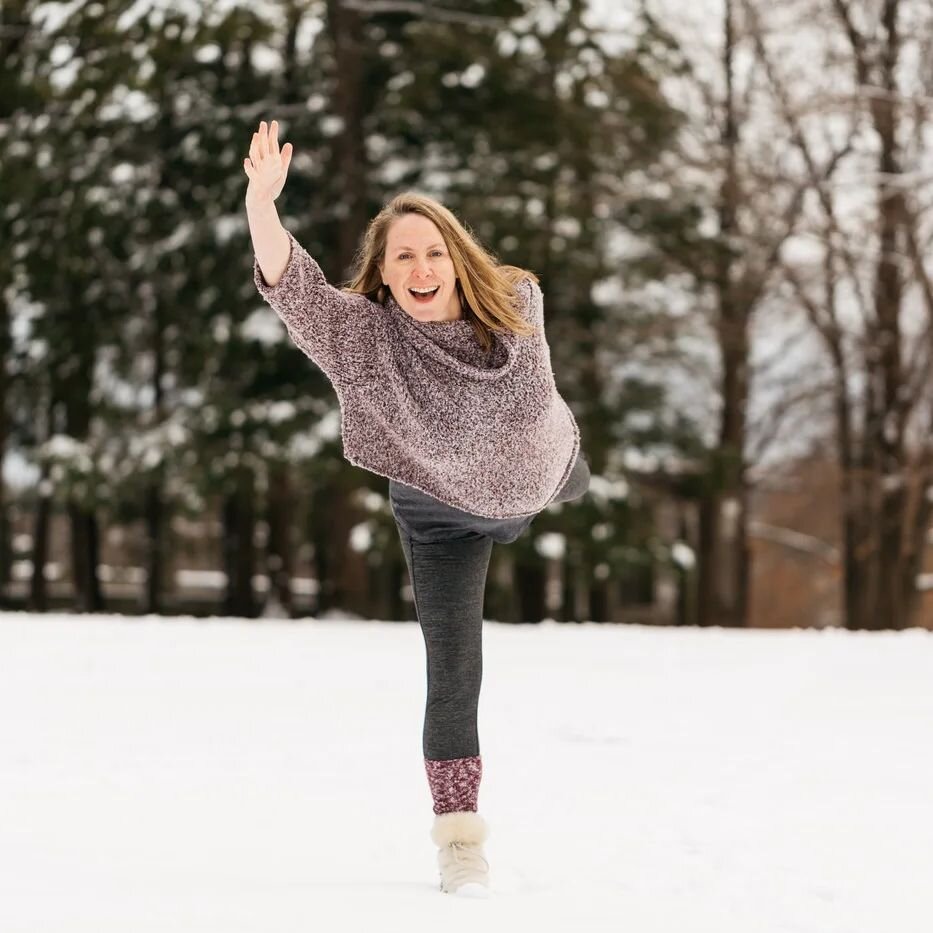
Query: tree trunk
point(888, 435)
point(18, 94)
point(884, 571)
point(280, 558)
point(155, 530)
point(155, 550)
point(85, 552)
point(341, 572)
point(38, 588)
point(576, 586)
point(346, 28)
point(529, 585)
point(239, 521)
point(502, 598)
point(724, 556)
point(6, 553)
point(857, 546)
point(599, 601)
point(5, 543)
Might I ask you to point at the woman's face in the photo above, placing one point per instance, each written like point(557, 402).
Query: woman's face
point(417, 258)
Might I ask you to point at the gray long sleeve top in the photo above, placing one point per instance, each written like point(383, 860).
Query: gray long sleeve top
point(422, 403)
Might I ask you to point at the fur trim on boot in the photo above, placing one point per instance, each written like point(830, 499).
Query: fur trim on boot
point(459, 837)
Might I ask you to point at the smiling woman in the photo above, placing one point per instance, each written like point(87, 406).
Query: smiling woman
point(418, 271)
point(416, 245)
point(443, 374)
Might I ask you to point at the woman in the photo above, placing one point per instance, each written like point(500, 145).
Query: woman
point(443, 375)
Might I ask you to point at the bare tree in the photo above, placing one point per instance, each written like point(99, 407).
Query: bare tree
point(751, 206)
point(866, 291)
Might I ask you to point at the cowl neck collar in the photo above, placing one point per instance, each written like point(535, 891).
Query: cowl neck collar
point(455, 344)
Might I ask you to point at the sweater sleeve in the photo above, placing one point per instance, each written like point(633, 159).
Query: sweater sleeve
point(531, 302)
point(335, 329)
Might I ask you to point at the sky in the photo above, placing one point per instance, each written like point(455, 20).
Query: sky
point(226, 775)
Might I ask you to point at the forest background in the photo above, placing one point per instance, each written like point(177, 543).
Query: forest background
point(729, 208)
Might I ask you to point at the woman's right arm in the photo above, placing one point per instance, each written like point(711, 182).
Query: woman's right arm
point(333, 328)
point(270, 241)
point(267, 169)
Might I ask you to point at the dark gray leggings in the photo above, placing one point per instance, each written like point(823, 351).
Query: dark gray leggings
point(447, 552)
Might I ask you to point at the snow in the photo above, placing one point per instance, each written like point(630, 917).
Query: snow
point(551, 544)
point(224, 775)
point(683, 555)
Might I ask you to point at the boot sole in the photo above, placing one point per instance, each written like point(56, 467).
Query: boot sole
point(472, 889)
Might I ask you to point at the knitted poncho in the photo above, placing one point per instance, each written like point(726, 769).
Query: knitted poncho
point(422, 403)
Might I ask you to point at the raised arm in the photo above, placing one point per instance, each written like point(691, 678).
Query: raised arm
point(267, 169)
point(270, 242)
point(334, 328)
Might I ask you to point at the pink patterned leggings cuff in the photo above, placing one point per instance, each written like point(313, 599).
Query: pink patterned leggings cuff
point(454, 783)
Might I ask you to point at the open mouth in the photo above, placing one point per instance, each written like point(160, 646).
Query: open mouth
point(424, 295)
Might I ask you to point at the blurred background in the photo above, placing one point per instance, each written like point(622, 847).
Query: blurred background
point(729, 204)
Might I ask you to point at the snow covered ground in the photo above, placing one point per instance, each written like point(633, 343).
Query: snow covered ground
point(223, 775)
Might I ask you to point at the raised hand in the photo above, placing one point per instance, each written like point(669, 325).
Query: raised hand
point(267, 166)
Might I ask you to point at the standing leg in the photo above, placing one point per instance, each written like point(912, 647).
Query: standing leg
point(448, 580)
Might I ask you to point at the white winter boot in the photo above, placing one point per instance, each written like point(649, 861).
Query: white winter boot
point(459, 837)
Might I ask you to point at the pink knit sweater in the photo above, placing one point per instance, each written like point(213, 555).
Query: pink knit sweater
point(424, 404)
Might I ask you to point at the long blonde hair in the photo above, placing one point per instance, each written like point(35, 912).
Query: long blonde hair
point(487, 289)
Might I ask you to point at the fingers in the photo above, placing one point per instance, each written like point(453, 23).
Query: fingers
point(259, 145)
point(263, 138)
point(265, 142)
point(287, 151)
point(248, 168)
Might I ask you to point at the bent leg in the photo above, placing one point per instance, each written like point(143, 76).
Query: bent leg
point(577, 483)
